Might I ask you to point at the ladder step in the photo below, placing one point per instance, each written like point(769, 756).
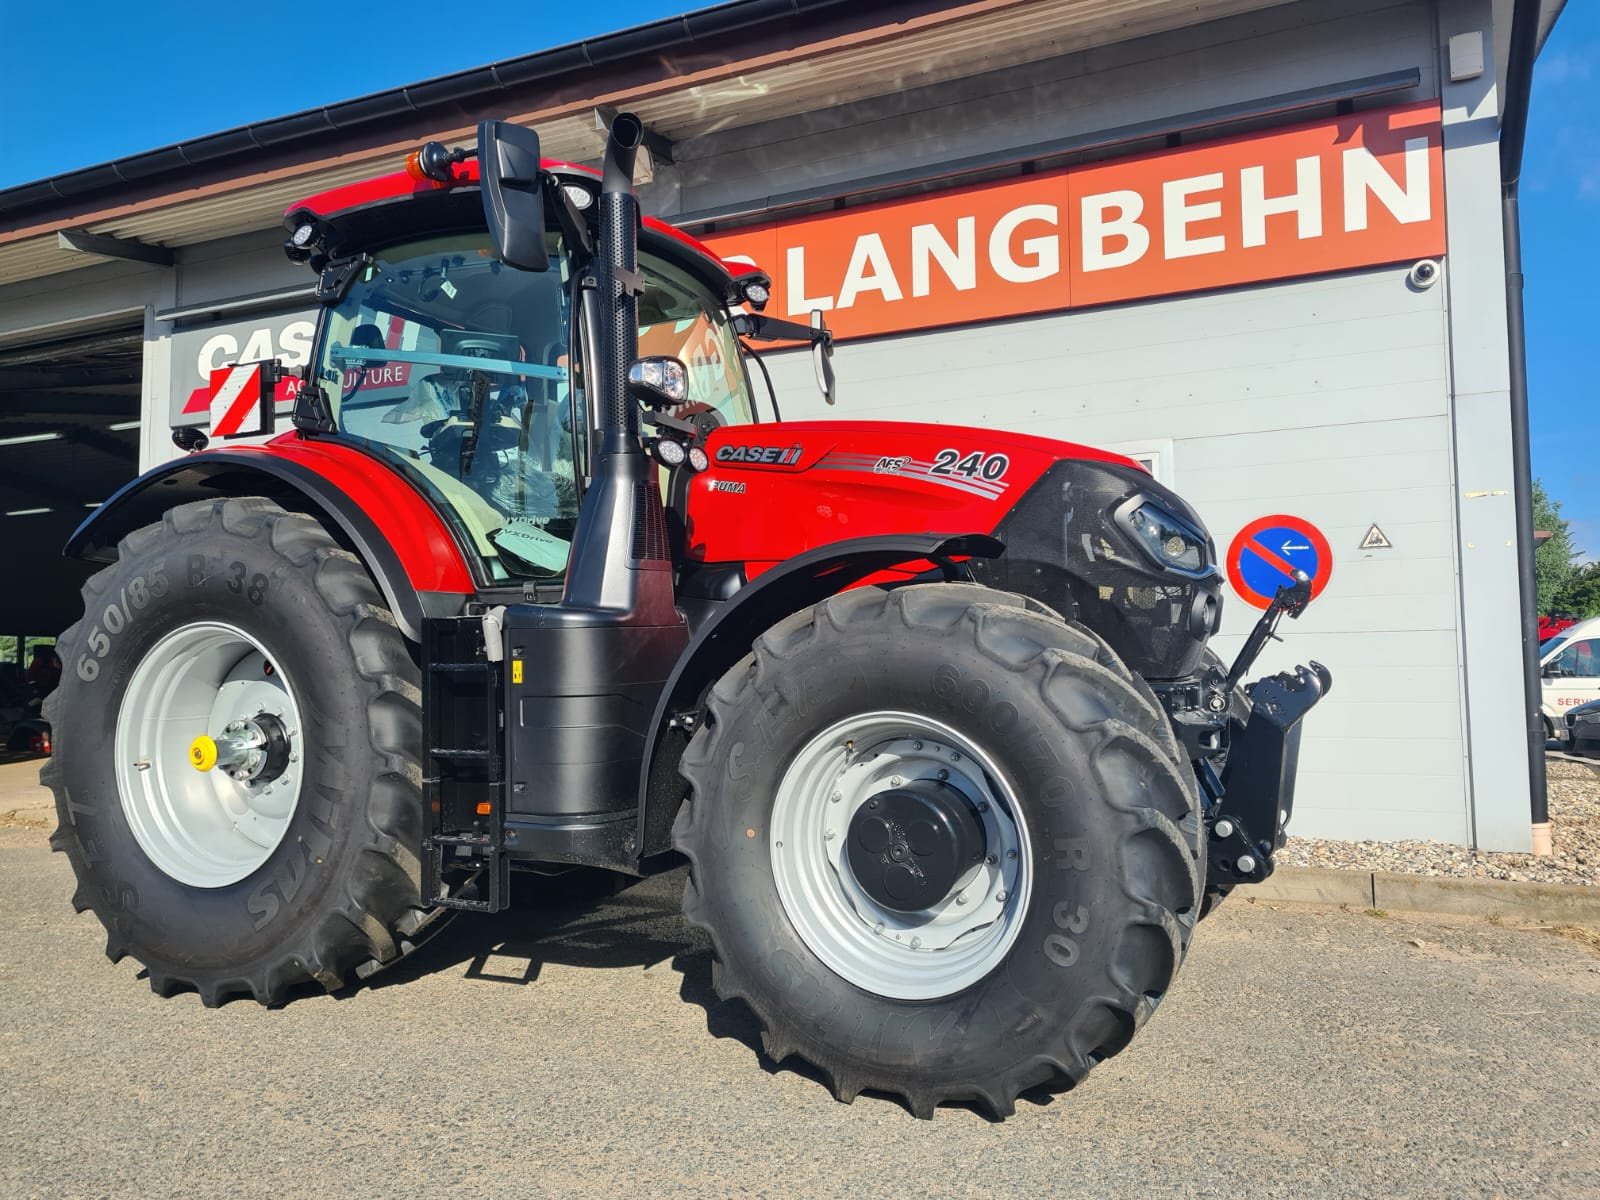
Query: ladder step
point(471, 668)
point(461, 839)
point(447, 752)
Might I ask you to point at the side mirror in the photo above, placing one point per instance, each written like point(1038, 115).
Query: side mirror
point(513, 195)
point(1552, 670)
point(659, 382)
point(822, 355)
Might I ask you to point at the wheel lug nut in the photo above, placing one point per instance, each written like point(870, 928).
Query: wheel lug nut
point(872, 804)
point(1000, 896)
point(895, 781)
point(943, 774)
point(955, 756)
point(961, 899)
point(991, 860)
point(1011, 854)
point(828, 835)
point(916, 943)
point(983, 806)
point(916, 745)
point(835, 798)
point(878, 929)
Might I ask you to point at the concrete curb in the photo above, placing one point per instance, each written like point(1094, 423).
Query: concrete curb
point(1571, 903)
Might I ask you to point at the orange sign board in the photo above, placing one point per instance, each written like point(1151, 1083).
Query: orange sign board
point(1330, 195)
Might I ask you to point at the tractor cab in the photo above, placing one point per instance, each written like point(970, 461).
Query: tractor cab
point(467, 373)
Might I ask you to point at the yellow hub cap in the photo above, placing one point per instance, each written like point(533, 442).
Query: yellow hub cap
point(203, 753)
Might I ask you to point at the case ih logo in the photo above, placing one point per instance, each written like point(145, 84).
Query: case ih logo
point(1347, 192)
point(782, 456)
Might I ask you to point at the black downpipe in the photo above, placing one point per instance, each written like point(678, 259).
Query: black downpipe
point(620, 562)
point(1513, 133)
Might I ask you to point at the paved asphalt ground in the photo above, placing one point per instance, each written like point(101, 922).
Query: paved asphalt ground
point(577, 1049)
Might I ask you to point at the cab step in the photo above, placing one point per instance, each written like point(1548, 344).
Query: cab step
point(463, 770)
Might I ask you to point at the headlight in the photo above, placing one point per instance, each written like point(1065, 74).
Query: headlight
point(1169, 542)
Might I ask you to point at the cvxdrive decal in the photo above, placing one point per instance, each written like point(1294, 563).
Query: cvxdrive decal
point(975, 472)
point(781, 456)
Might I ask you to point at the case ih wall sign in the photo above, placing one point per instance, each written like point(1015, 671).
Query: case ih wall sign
point(1346, 192)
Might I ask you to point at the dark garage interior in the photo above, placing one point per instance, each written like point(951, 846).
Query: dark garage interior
point(69, 438)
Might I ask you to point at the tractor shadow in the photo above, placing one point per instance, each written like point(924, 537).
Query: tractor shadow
point(584, 919)
point(592, 920)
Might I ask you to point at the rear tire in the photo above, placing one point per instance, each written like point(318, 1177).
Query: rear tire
point(333, 884)
point(1087, 770)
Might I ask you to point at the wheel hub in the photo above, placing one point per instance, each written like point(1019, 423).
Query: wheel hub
point(253, 750)
point(910, 847)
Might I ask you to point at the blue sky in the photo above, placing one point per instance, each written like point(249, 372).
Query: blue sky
point(166, 75)
point(1561, 258)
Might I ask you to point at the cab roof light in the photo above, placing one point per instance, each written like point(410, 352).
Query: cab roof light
point(434, 162)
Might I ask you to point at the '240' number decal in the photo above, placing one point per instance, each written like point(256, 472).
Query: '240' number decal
point(976, 465)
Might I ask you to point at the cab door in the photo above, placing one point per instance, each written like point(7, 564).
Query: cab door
point(1571, 678)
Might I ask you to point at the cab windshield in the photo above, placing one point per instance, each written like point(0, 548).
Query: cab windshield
point(457, 368)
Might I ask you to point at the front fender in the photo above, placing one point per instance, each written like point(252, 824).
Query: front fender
point(729, 633)
point(402, 539)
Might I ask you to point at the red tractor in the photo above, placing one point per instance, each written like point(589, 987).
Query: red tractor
point(927, 709)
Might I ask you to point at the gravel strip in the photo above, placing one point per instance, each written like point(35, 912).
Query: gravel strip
point(1575, 830)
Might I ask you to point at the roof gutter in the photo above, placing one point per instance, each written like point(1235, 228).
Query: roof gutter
point(1523, 50)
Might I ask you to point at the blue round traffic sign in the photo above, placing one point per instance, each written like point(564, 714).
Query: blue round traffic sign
point(1266, 553)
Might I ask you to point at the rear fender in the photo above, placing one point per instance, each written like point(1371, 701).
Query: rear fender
point(396, 532)
point(727, 635)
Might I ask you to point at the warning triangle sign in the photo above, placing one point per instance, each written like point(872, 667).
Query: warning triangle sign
point(1375, 540)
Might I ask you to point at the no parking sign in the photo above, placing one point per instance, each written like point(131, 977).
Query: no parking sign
point(1266, 553)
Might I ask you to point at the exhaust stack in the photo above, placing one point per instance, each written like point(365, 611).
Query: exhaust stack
point(622, 559)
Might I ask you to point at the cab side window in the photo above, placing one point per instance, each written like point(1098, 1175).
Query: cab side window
point(1580, 659)
point(679, 317)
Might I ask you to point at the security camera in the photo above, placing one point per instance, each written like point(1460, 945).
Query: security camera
point(1424, 274)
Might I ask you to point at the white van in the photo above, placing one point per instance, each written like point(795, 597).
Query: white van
point(1570, 665)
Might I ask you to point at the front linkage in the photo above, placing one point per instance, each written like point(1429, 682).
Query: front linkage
point(1245, 745)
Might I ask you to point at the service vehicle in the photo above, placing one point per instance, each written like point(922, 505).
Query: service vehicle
point(1569, 666)
point(1583, 729)
point(928, 710)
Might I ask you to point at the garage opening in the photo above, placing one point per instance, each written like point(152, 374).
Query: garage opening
point(69, 438)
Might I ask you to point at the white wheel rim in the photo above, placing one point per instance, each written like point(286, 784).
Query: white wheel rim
point(204, 827)
point(920, 956)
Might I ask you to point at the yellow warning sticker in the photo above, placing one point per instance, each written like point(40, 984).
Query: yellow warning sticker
point(516, 670)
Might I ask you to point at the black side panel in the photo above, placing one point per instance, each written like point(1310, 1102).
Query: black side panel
point(1065, 548)
point(726, 634)
point(219, 473)
point(579, 718)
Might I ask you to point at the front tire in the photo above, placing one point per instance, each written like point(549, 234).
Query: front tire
point(293, 860)
point(1058, 755)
